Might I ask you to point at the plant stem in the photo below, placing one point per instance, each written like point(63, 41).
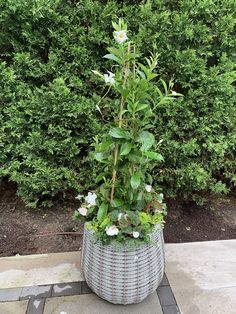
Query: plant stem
point(59, 233)
point(134, 63)
point(120, 121)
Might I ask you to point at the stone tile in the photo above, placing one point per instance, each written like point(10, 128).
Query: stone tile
point(202, 276)
point(40, 269)
point(92, 304)
point(17, 307)
point(170, 309)
point(165, 295)
point(36, 292)
point(216, 301)
point(10, 294)
point(85, 288)
point(70, 288)
point(164, 281)
point(36, 306)
point(207, 265)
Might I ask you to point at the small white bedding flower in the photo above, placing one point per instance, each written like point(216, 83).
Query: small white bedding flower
point(109, 78)
point(79, 197)
point(148, 188)
point(174, 93)
point(83, 211)
point(111, 231)
point(135, 234)
point(120, 215)
point(161, 196)
point(91, 198)
point(121, 36)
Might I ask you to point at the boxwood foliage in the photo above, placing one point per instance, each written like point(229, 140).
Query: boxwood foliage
point(48, 94)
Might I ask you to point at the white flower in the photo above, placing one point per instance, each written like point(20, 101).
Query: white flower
point(111, 231)
point(109, 78)
point(121, 215)
point(121, 36)
point(83, 211)
point(91, 198)
point(79, 197)
point(161, 196)
point(174, 93)
point(148, 188)
point(135, 234)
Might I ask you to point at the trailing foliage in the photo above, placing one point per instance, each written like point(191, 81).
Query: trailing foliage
point(48, 94)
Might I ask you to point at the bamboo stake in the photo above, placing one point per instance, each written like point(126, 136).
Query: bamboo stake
point(120, 121)
point(134, 76)
point(134, 63)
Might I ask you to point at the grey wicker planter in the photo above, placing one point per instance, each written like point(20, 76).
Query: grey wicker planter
point(123, 275)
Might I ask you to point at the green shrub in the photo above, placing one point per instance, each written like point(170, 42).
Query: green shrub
point(48, 94)
point(47, 135)
point(197, 44)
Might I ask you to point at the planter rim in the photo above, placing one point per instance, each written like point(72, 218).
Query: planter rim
point(126, 245)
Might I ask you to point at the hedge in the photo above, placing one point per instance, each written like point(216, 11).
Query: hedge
point(48, 94)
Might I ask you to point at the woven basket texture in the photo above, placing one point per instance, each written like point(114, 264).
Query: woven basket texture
point(123, 275)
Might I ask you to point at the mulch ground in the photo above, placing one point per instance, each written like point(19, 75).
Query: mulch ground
point(32, 231)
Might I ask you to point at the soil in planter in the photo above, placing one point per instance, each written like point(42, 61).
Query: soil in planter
point(32, 231)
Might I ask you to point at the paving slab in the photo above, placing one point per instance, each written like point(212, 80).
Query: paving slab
point(36, 306)
point(214, 301)
point(12, 294)
point(40, 269)
point(35, 292)
point(202, 276)
point(92, 304)
point(17, 307)
point(64, 289)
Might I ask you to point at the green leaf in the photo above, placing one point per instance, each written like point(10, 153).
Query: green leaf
point(99, 157)
point(115, 51)
point(105, 222)
point(110, 56)
point(141, 107)
point(130, 195)
point(119, 133)
point(100, 177)
point(154, 156)
point(151, 76)
point(134, 217)
point(115, 25)
point(165, 86)
point(140, 202)
point(105, 145)
point(135, 157)
point(125, 149)
point(135, 180)
point(102, 212)
point(147, 139)
point(113, 215)
point(145, 218)
point(117, 202)
point(97, 73)
point(157, 218)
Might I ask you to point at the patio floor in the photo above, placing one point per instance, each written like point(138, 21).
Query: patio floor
point(201, 278)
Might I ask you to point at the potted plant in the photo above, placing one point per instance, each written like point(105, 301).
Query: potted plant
point(123, 249)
